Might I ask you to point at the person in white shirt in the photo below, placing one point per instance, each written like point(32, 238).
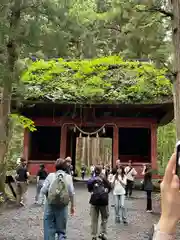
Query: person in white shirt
point(92, 170)
point(119, 182)
point(130, 174)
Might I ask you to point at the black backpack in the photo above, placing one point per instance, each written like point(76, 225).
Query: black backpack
point(99, 195)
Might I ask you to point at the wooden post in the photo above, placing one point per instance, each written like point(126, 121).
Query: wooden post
point(115, 144)
point(154, 164)
point(63, 141)
point(26, 144)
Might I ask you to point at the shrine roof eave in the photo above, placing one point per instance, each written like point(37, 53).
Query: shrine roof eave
point(162, 112)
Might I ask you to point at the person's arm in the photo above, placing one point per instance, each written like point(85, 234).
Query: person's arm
point(37, 177)
point(45, 187)
point(160, 234)
point(170, 204)
point(17, 173)
point(134, 173)
point(144, 169)
point(90, 184)
point(123, 181)
point(107, 184)
point(71, 193)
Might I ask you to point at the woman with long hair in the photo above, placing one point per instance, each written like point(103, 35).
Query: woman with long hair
point(148, 186)
point(119, 182)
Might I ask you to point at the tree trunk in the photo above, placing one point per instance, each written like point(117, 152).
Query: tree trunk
point(12, 56)
point(176, 42)
point(4, 133)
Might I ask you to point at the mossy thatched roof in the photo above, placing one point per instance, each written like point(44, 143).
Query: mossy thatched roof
point(107, 80)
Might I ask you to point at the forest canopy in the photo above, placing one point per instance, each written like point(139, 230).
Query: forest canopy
point(100, 80)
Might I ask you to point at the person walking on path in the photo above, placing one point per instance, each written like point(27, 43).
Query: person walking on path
point(119, 182)
point(99, 187)
point(83, 171)
point(92, 170)
point(21, 182)
point(59, 190)
point(41, 176)
point(110, 178)
point(148, 186)
point(130, 174)
point(118, 163)
point(69, 165)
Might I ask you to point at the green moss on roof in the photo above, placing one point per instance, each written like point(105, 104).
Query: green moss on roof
point(110, 80)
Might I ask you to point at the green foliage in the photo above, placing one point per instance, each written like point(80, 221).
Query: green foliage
point(166, 145)
point(101, 80)
point(24, 122)
point(15, 147)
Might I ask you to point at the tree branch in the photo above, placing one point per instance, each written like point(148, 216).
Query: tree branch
point(158, 9)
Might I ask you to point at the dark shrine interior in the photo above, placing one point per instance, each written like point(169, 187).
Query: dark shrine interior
point(45, 143)
point(135, 144)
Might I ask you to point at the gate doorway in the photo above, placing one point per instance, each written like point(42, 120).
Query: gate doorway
point(88, 150)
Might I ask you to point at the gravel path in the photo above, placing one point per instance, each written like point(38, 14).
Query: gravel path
point(26, 223)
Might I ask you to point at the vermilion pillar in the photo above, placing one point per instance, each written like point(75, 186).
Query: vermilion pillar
point(26, 144)
point(63, 141)
point(115, 144)
point(154, 146)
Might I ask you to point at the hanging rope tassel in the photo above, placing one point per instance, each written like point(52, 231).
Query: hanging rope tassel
point(104, 130)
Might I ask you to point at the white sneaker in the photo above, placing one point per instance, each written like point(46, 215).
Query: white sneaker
point(22, 204)
point(149, 211)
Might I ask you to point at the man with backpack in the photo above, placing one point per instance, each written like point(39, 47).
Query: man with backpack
point(99, 187)
point(130, 175)
point(59, 190)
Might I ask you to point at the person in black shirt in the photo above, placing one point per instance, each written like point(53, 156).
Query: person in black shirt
point(41, 176)
point(99, 187)
point(21, 182)
point(148, 186)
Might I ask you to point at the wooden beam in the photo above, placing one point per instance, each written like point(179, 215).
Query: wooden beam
point(26, 144)
point(115, 144)
point(167, 117)
point(63, 141)
point(154, 164)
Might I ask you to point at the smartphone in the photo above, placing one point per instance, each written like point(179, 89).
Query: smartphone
point(178, 159)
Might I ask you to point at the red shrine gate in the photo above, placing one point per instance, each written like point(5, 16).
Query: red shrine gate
point(133, 129)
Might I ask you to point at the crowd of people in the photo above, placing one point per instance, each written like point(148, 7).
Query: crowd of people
point(56, 191)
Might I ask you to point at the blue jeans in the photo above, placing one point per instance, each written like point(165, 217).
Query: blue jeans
point(120, 209)
point(55, 221)
point(38, 189)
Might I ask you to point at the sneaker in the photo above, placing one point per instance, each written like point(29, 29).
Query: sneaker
point(125, 222)
point(149, 211)
point(102, 236)
point(117, 220)
point(22, 204)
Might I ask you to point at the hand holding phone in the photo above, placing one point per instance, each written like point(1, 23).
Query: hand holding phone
point(178, 159)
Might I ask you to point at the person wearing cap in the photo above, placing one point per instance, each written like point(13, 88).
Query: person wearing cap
point(40, 178)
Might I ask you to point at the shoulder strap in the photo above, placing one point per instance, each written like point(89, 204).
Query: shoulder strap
point(129, 170)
